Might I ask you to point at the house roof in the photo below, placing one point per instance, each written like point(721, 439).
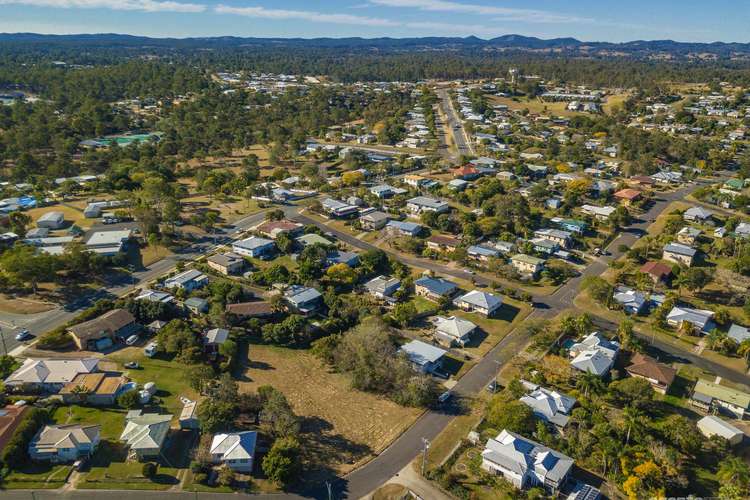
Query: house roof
point(51, 371)
point(381, 283)
point(145, 430)
point(680, 249)
point(454, 327)
point(252, 243)
point(697, 213)
point(712, 425)
point(425, 201)
point(276, 227)
point(437, 286)
point(108, 323)
point(422, 353)
point(698, 317)
point(444, 240)
point(722, 393)
point(657, 269)
point(627, 194)
point(481, 299)
point(301, 294)
point(648, 367)
point(224, 260)
point(738, 333)
point(184, 277)
point(312, 239)
point(519, 454)
point(95, 383)
point(593, 361)
point(483, 251)
point(234, 446)
point(628, 297)
point(53, 437)
point(250, 309)
point(551, 406)
point(527, 259)
point(404, 226)
point(216, 335)
point(376, 216)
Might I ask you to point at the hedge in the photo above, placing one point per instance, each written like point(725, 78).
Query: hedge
point(15, 452)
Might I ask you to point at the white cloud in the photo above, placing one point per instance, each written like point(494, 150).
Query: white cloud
point(135, 5)
point(500, 13)
point(317, 17)
point(455, 29)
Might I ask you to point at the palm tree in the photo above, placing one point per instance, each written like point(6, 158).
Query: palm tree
point(734, 470)
point(589, 382)
point(633, 418)
point(716, 339)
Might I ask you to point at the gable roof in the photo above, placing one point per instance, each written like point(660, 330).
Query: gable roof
point(51, 371)
point(520, 455)
point(235, 445)
point(648, 367)
point(146, 431)
point(438, 286)
point(454, 326)
point(593, 361)
point(481, 299)
point(421, 353)
point(549, 405)
point(657, 269)
point(680, 249)
point(54, 437)
point(108, 323)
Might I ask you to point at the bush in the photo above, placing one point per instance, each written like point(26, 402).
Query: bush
point(149, 469)
point(282, 463)
point(15, 452)
point(129, 400)
point(57, 339)
point(226, 476)
point(201, 477)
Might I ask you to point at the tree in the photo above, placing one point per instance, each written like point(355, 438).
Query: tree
point(342, 274)
point(512, 415)
point(633, 419)
point(226, 476)
point(282, 464)
point(216, 415)
point(129, 400)
point(598, 289)
point(632, 391)
point(694, 278)
point(625, 334)
point(404, 313)
point(589, 383)
point(149, 469)
point(734, 470)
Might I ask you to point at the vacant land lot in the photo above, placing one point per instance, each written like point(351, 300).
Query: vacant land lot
point(343, 426)
point(18, 305)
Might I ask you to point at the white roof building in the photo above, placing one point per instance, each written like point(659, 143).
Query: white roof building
point(236, 450)
point(712, 425)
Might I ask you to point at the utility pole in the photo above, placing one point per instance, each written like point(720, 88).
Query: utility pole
point(2, 336)
point(425, 447)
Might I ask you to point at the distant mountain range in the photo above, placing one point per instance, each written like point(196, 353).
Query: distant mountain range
point(661, 49)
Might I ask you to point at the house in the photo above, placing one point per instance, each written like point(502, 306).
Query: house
point(600, 213)
point(155, 296)
point(679, 254)
point(384, 191)
point(48, 375)
point(594, 354)
point(443, 243)
point(527, 264)
point(382, 287)
point(336, 208)
point(467, 173)
point(310, 239)
point(416, 181)
point(742, 230)
point(712, 425)
point(95, 389)
point(434, 288)
point(424, 357)
point(480, 302)
point(628, 196)
point(11, 417)
point(215, 337)
point(659, 375)
point(374, 221)
point(144, 434)
point(246, 310)
point(188, 415)
point(482, 253)
point(562, 238)
point(334, 257)
point(189, 280)
point(108, 243)
point(64, 443)
point(226, 263)
point(700, 319)
point(505, 247)
point(641, 180)
point(422, 204)
point(657, 271)
point(458, 184)
point(526, 463)
point(697, 214)
point(303, 299)
point(543, 245)
point(687, 235)
point(549, 405)
point(404, 228)
point(100, 333)
point(196, 305)
point(51, 220)
point(275, 228)
point(631, 301)
point(714, 397)
point(571, 225)
point(236, 450)
point(738, 333)
point(254, 247)
point(453, 330)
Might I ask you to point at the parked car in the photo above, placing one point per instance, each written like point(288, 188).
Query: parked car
point(133, 365)
point(131, 340)
point(445, 397)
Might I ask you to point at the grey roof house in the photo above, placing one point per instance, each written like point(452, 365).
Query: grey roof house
point(424, 357)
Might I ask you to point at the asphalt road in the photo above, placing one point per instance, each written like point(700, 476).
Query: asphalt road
point(456, 126)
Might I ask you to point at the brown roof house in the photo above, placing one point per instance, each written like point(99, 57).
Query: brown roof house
point(659, 375)
point(250, 309)
point(658, 271)
point(628, 196)
point(96, 389)
point(443, 243)
point(10, 417)
point(100, 333)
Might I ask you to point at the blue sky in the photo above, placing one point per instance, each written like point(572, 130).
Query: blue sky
point(589, 20)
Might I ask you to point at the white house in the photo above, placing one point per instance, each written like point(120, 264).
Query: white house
point(64, 443)
point(478, 301)
point(236, 450)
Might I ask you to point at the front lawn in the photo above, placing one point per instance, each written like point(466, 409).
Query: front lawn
point(37, 476)
point(127, 476)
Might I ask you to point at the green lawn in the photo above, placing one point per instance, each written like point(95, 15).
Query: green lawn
point(111, 420)
point(167, 374)
point(128, 476)
point(37, 476)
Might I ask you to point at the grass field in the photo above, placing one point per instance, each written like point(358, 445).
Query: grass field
point(168, 376)
point(111, 420)
point(37, 476)
point(342, 426)
point(72, 216)
point(18, 305)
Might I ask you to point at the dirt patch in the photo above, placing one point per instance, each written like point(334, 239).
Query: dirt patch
point(344, 427)
point(17, 305)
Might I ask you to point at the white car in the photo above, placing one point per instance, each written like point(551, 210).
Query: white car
point(131, 340)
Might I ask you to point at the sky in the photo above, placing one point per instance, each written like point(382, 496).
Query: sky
point(587, 20)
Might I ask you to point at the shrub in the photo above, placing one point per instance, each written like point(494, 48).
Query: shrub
point(129, 400)
point(201, 477)
point(15, 452)
point(57, 339)
point(149, 469)
point(226, 476)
